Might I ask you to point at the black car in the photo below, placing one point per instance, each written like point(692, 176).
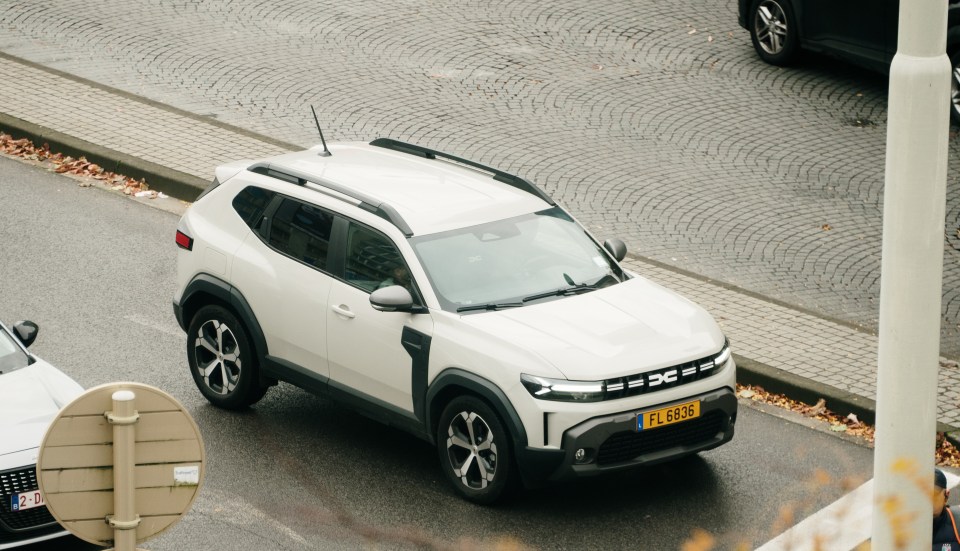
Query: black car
point(863, 32)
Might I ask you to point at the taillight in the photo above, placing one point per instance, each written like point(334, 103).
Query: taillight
point(184, 241)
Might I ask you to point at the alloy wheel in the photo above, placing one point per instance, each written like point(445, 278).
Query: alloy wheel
point(472, 450)
point(770, 26)
point(218, 357)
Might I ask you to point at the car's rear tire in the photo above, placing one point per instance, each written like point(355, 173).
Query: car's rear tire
point(221, 359)
point(955, 86)
point(773, 30)
point(475, 450)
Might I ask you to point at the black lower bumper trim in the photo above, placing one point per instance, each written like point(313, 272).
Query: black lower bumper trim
point(612, 443)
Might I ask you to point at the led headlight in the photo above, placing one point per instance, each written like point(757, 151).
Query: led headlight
point(723, 356)
point(561, 390)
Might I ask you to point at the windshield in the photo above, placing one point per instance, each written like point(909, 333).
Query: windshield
point(504, 262)
point(11, 355)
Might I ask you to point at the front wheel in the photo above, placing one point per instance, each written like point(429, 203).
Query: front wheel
point(475, 451)
point(773, 29)
point(221, 359)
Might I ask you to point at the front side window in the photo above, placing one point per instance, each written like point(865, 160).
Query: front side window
point(302, 232)
point(511, 262)
point(373, 261)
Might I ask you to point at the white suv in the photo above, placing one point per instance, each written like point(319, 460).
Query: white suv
point(469, 310)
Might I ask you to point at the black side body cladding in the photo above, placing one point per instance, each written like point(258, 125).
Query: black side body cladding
point(535, 465)
point(417, 344)
point(206, 284)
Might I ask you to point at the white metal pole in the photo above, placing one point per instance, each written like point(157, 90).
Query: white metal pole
point(911, 278)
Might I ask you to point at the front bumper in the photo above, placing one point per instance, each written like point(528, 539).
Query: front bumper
point(612, 443)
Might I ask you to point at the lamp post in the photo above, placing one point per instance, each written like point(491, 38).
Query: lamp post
point(911, 278)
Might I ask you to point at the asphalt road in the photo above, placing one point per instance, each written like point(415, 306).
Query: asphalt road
point(96, 271)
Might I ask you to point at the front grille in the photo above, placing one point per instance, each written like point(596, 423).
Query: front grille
point(14, 482)
point(624, 446)
point(660, 379)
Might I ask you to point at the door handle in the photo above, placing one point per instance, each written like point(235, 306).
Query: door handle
point(343, 310)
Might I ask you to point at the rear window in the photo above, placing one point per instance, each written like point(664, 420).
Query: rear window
point(250, 204)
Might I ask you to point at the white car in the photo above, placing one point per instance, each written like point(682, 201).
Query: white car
point(32, 392)
point(449, 299)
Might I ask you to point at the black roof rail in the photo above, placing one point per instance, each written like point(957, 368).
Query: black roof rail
point(509, 179)
point(365, 202)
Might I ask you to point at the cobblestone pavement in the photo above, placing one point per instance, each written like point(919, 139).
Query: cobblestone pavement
point(652, 121)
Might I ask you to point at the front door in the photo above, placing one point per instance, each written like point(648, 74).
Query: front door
point(864, 30)
point(364, 345)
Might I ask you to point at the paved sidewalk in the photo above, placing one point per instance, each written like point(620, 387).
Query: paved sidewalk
point(779, 347)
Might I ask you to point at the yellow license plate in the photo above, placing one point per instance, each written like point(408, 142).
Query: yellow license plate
point(668, 415)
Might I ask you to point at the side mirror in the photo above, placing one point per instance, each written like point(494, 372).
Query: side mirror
point(26, 331)
point(391, 299)
point(616, 247)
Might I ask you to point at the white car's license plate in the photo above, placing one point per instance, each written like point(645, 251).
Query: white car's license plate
point(26, 500)
point(668, 415)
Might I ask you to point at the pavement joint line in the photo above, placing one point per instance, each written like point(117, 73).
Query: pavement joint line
point(725, 301)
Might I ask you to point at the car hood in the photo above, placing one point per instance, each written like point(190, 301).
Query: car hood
point(30, 398)
point(617, 331)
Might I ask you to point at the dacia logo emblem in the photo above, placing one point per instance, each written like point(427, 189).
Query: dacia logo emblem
point(657, 379)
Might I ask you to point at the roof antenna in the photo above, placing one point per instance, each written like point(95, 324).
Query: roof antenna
point(326, 152)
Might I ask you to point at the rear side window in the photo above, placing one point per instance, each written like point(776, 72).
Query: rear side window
point(302, 231)
point(250, 204)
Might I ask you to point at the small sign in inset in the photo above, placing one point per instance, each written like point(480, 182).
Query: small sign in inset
point(186, 476)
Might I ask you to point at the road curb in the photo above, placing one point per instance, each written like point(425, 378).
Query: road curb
point(160, 178)
point(808, 391)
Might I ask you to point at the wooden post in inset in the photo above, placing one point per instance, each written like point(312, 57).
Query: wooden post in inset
point(125, 519)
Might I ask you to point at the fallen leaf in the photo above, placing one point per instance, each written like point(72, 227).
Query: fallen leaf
point(826, 227)
point(817, 408)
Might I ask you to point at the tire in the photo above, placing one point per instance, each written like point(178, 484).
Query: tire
point(481, 469)
point(773, 29)
point(221, 359)
point(955, 87)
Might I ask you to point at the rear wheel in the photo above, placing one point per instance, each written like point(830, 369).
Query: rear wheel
point(475, 451)
point(221, 359)
point(773, 29)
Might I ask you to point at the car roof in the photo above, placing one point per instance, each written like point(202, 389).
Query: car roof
point(429, 194)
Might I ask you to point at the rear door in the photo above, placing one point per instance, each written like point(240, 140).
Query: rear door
point(283, 273)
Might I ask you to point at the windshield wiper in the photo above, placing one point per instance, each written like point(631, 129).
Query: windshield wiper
point(490, 306)
point(562, 291)
point(574, 288)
